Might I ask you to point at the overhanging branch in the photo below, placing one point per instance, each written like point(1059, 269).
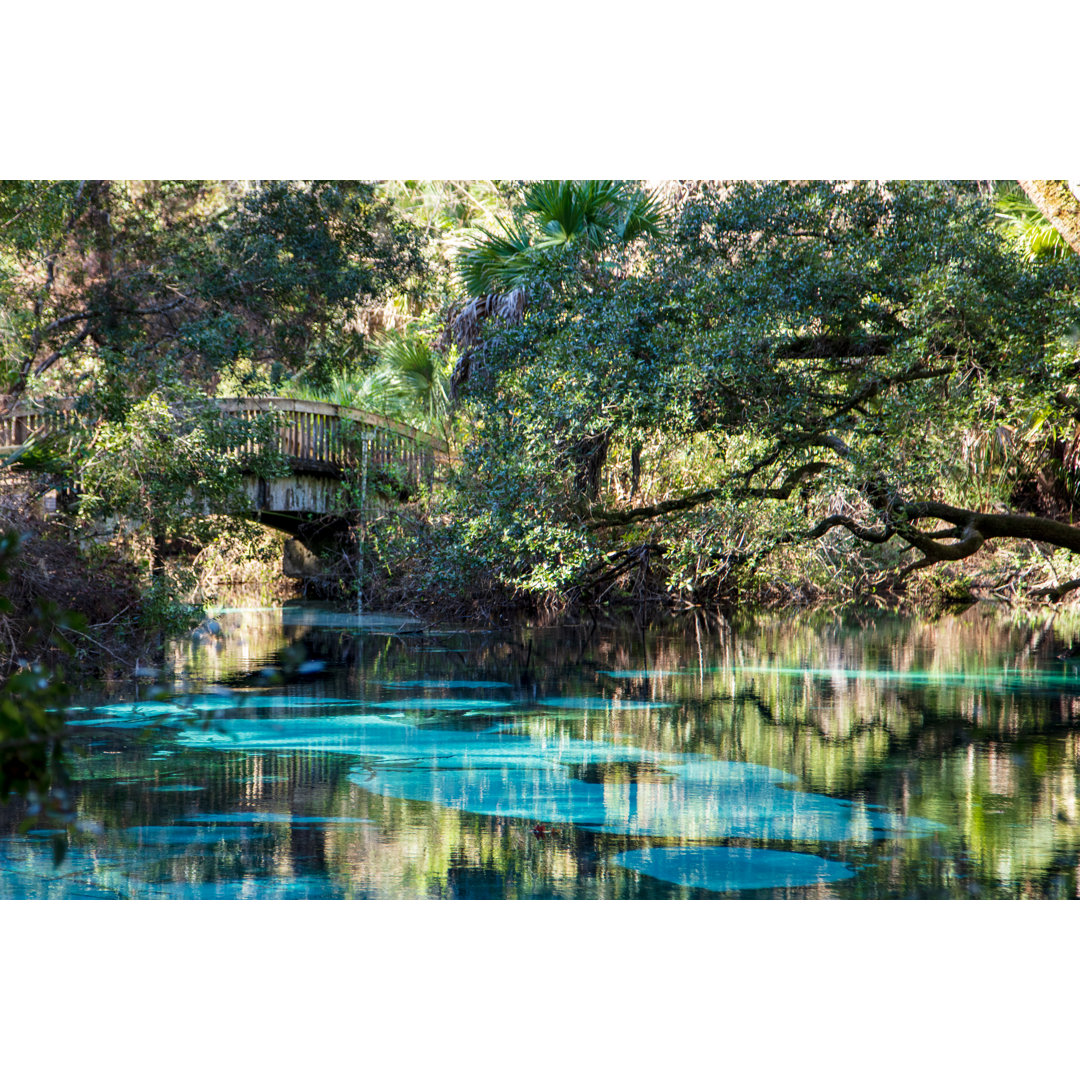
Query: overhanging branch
point(835, 347)
point(970, 528)
point(799, 476)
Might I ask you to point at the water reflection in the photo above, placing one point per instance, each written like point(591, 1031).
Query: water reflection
point(788, 757)
point(732, 869)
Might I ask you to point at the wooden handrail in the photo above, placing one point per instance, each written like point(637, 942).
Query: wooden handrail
point(15, 426)
point(341, 412)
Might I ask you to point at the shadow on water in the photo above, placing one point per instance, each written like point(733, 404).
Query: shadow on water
point(303, 755)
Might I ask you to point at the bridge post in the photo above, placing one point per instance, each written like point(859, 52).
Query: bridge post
point(365, 441)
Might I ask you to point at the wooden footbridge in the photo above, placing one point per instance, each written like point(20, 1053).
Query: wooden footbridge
point(322, 442)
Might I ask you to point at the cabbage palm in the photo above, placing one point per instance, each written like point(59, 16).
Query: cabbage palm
point(496, 267)
point(1023, 219)
point(556, 213)
point(415, 373)
point(497, 263)
point(371, 391)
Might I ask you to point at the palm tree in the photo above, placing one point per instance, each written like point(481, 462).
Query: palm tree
point(558, 213)
point(1025, 221)
point(415, 373)
point(1059, 202)
point(591, 215)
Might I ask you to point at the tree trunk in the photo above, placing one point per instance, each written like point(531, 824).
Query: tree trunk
point(589, 456)
point(635, 469)
point(157, 556)
point(1058, 204)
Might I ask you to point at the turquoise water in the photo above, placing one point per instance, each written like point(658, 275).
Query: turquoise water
point(777, 759)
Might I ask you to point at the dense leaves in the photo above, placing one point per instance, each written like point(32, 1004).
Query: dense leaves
point(119, 287)
point(787, 351)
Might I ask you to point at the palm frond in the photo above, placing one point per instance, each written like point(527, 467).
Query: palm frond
point(1021, 218)
point(575, 210)
point(642, 215)
point(496, 263)
point(415, 373)
point(372, 391)
point(561, 212)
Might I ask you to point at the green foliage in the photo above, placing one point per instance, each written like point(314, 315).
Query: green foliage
point(122, 287)
point(410, 382)
point(162, 610)
point(32, 701)
point(417, 376)
point(1024, 222)
point(862, 331)
point(370, 391)
point(166, 466)
point(318, 251)
point(498, 262)
point(683, 392)
point(171, 476)
point(447, 214)
point(588, 216)
point(593, 211)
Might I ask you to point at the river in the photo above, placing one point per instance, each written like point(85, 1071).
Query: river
point(296, 752)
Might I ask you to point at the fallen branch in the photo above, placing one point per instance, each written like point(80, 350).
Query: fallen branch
point(1054, 593)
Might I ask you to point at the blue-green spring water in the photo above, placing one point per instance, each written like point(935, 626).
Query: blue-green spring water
point(298, 754)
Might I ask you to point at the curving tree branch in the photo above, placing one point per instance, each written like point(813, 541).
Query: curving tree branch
point(795, 479)
point(1054, 593)
point(970, 529)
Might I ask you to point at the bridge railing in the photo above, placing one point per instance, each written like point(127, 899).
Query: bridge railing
point(313, 434)
point(29, 421)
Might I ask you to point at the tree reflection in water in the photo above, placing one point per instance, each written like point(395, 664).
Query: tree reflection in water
point(806, 756)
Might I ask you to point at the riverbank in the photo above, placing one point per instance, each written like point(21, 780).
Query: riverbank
point(63, 604)
point(121, 615)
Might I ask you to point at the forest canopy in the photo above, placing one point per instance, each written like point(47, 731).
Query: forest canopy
point(779, 359)
point(119, 288)
point(693, 391)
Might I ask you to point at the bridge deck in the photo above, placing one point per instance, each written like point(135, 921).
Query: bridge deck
point(319, 439)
